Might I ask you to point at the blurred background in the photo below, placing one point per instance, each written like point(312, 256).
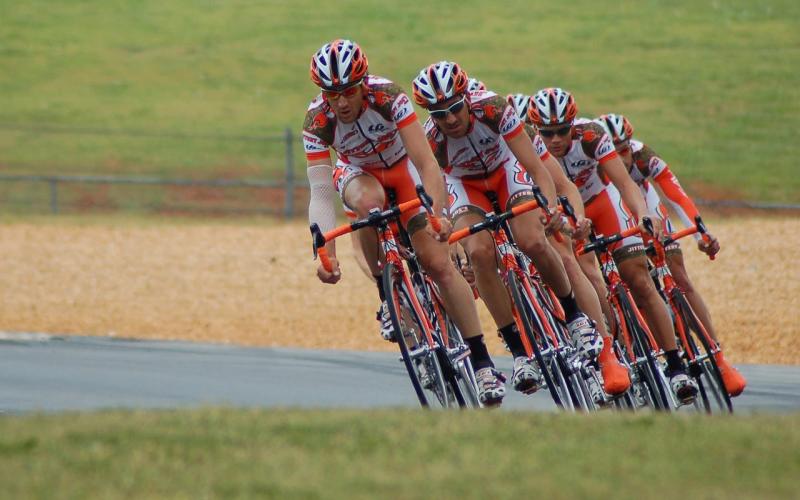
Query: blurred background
point(188, 107)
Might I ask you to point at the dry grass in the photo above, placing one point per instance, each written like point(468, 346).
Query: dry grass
point(256, 285)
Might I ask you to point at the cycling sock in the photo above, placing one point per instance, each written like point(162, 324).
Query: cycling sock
point(674, 363)
point(478, 353)
point(379, 282)
point(570, 306)
point(511, 336)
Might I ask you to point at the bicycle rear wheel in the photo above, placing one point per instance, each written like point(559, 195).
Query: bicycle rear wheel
point(702, 364)
point(411, 332)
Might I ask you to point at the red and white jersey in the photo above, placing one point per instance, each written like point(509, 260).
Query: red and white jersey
point(648, 166)
point(591, 147)
point(373, 139)
point(483, 149)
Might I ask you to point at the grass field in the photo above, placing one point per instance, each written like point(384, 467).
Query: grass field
point(713, 86)
point(215, 453)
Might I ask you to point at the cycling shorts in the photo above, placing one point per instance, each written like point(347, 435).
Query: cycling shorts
point(510, 183)
point(609, 215)
point(402, 178)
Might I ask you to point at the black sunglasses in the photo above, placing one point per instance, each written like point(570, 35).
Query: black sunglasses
point(560, 131)
point(441, 114)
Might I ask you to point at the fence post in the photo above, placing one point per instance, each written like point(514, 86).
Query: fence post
point(53, 196)
point(289, 207)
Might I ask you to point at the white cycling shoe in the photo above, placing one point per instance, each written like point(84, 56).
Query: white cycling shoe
point(387, 329)
point(526, 378)
point(684, 387)
point(585, 337)
point(491, 390)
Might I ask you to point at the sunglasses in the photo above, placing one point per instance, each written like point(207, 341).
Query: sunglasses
point(441, 114)
point(563, 131)
point(334, 95)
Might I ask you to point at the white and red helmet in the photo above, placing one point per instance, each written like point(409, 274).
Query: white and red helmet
point(474, 85)
point(520, 104)
point(439, 82)
point(338, 64)
point(552, 106)
point(617, 126)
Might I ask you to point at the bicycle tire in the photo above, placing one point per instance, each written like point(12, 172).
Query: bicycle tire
point(525, 312)
point(651, 375)
point(409, 327)
point(707, 369)
point(457, 368)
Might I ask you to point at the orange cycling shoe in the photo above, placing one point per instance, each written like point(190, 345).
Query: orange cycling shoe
point(733, 380)
point(616, 379)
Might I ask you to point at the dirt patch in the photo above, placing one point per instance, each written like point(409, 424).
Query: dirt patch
point(256, 285)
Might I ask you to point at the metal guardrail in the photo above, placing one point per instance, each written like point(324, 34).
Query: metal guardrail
point(288, 183)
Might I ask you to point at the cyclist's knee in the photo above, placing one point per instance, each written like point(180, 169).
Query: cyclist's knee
point(483, 256)
point(439, 267)
point(534, 246)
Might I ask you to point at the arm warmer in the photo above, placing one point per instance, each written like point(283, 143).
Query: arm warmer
point(321, 207)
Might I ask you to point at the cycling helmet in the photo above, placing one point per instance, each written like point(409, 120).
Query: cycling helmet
point(439, 82)
point(474, 85)
point(338, 64)
point(618, 127)
point(520, 104)
point(552, 106)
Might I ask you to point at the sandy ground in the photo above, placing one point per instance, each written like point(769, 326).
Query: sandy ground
point(255, 284)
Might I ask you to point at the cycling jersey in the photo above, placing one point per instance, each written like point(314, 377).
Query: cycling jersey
point(481, 161)
point(591, 148)
point(648, 166)
point(372, 140)
point(483, 149)
point(371, 145)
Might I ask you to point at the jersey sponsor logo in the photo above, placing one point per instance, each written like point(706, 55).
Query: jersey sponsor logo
point(401, 108)
point(509, 122)
point(486, 141)
point(588, 135)
point(605, 147)
point(376, 128)
point(521, 176)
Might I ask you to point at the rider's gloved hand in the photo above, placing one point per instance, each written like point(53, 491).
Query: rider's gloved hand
point(444, 230)
point(331, 277)
point(583, 227)
point(709, 245)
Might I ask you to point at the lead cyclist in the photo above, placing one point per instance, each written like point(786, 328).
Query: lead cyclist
point(370, 124)
point(648, 170)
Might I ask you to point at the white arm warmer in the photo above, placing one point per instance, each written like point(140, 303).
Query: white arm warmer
point(321, 207)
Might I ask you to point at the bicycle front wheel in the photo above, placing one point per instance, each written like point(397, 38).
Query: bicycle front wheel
point(412, 331)
point(702, 364)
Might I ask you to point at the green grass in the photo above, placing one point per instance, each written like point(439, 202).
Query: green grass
point(396, 454)
point(712, 86)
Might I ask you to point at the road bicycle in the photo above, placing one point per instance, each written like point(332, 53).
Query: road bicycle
point(542, 332)
point(431, 347)
point(634, 344)
point(698, 348)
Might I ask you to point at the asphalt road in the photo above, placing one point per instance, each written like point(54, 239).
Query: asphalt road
point(47, 373)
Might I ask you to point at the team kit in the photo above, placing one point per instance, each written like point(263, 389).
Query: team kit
point(479, 153)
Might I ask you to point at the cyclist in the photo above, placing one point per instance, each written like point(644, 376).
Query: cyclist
point(615, 376)
point(480, 144)
point(647, 169)
point(369, 122)
point(613, 202)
